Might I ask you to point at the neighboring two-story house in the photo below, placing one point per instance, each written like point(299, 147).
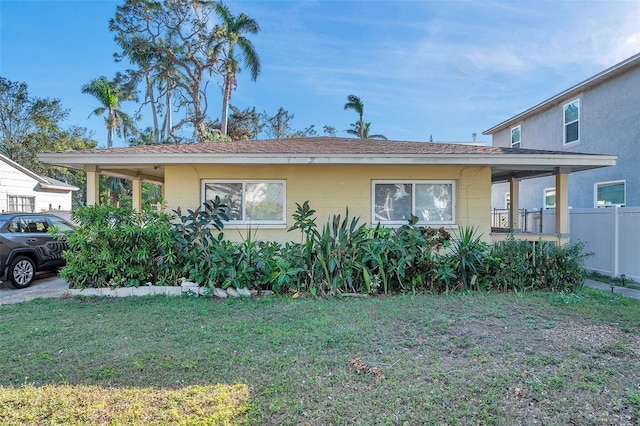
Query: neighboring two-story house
point(600, 115)
point(22, 190)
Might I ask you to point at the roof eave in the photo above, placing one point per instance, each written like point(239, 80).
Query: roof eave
point(58, 187)
point(80, 160)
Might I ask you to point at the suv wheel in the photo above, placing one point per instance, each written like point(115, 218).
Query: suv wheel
point(21, 272)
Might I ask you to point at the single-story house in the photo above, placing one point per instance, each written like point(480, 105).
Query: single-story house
point(379, 181)
point(22, 190)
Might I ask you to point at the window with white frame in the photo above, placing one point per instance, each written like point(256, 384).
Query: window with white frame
point(516, 137)
point(394, 202)
point(20, 203)
point(249, 201)
point(609, 194)
point(549, 198)
point(572, 122)
point(507, 200)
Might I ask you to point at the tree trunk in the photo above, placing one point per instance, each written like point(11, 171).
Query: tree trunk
point(154, 110)
point(225, 104)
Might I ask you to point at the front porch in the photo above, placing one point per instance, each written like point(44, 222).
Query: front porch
point(516, 230)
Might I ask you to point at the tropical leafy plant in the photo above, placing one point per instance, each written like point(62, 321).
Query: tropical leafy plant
point(115, 247)
point(305, 221)
point(468, 253)
point(199, 246)
point(338, 253)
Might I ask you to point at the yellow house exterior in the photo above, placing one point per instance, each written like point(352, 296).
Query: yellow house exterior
point(444, 185)
point(330, 189)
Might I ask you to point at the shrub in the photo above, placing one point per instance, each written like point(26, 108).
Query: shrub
point(338, 252)
point(560, 268)
point(116, 247)
point(204, 256)
point(407, 258)
point(542, 265)
point(468, 253)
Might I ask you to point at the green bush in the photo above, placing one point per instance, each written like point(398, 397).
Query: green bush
point(541, 265)
point(205, 257)
point(407, 258)
point(560, 268)
point(117, 247)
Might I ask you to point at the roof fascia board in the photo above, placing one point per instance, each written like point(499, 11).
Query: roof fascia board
point(58, 187)
point(23, 169)
point(379, 159)
point(597, 79)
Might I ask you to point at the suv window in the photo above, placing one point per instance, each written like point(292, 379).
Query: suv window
point(35, 224)
point(61, 224)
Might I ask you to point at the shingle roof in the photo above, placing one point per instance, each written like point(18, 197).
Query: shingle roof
point(318, 146)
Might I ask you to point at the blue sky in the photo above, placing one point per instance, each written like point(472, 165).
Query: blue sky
point(441, 68)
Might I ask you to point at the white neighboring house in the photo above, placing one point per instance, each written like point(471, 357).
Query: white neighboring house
point(22, 190)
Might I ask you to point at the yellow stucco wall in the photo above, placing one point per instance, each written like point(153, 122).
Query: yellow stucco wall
point(331, 188)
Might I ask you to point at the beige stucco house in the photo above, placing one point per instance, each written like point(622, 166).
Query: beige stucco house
point(379, 181)
point(22, 190)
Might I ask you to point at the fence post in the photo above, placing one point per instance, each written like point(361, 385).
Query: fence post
point(616, 242)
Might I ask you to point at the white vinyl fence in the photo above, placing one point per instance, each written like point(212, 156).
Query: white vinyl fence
point(612, 235)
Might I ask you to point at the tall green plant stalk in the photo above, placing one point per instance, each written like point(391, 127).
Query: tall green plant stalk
point(339, 253)
point(469, 252)
point(305, 221)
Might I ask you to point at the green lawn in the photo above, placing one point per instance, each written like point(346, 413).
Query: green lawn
point(448, 359)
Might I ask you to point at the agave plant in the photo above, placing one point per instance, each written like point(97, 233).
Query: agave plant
point(468, 254)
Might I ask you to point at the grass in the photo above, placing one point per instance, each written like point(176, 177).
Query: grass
point(449, 359)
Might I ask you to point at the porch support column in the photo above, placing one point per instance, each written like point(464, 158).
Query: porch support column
point(93, 185)
point(136, 199)
point(562, 204)
point(514, 205)
point(163, 202)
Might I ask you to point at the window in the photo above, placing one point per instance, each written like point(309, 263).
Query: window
point(507, 200)
point(516, 137)
point(31, 224)
point(610, 194)
point(18, 203)
point(60, 224)
point(249, 202)
point(572, 122)
point(433, 202)
point(550, 198)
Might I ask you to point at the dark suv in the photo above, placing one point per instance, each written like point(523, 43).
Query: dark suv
point(26, 247)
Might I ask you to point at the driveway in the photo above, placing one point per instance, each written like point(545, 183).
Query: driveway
point(45, 285)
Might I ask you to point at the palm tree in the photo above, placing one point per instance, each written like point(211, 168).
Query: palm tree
point(109, 95)
point(360, 128)
point(354, 103)
point(231, 32)
point(366, 135)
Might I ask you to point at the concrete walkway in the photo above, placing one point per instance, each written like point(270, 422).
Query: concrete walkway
point(46, 285)
point(629, 292)
point(50, 285)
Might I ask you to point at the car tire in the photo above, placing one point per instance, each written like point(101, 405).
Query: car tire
point(21, 273)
